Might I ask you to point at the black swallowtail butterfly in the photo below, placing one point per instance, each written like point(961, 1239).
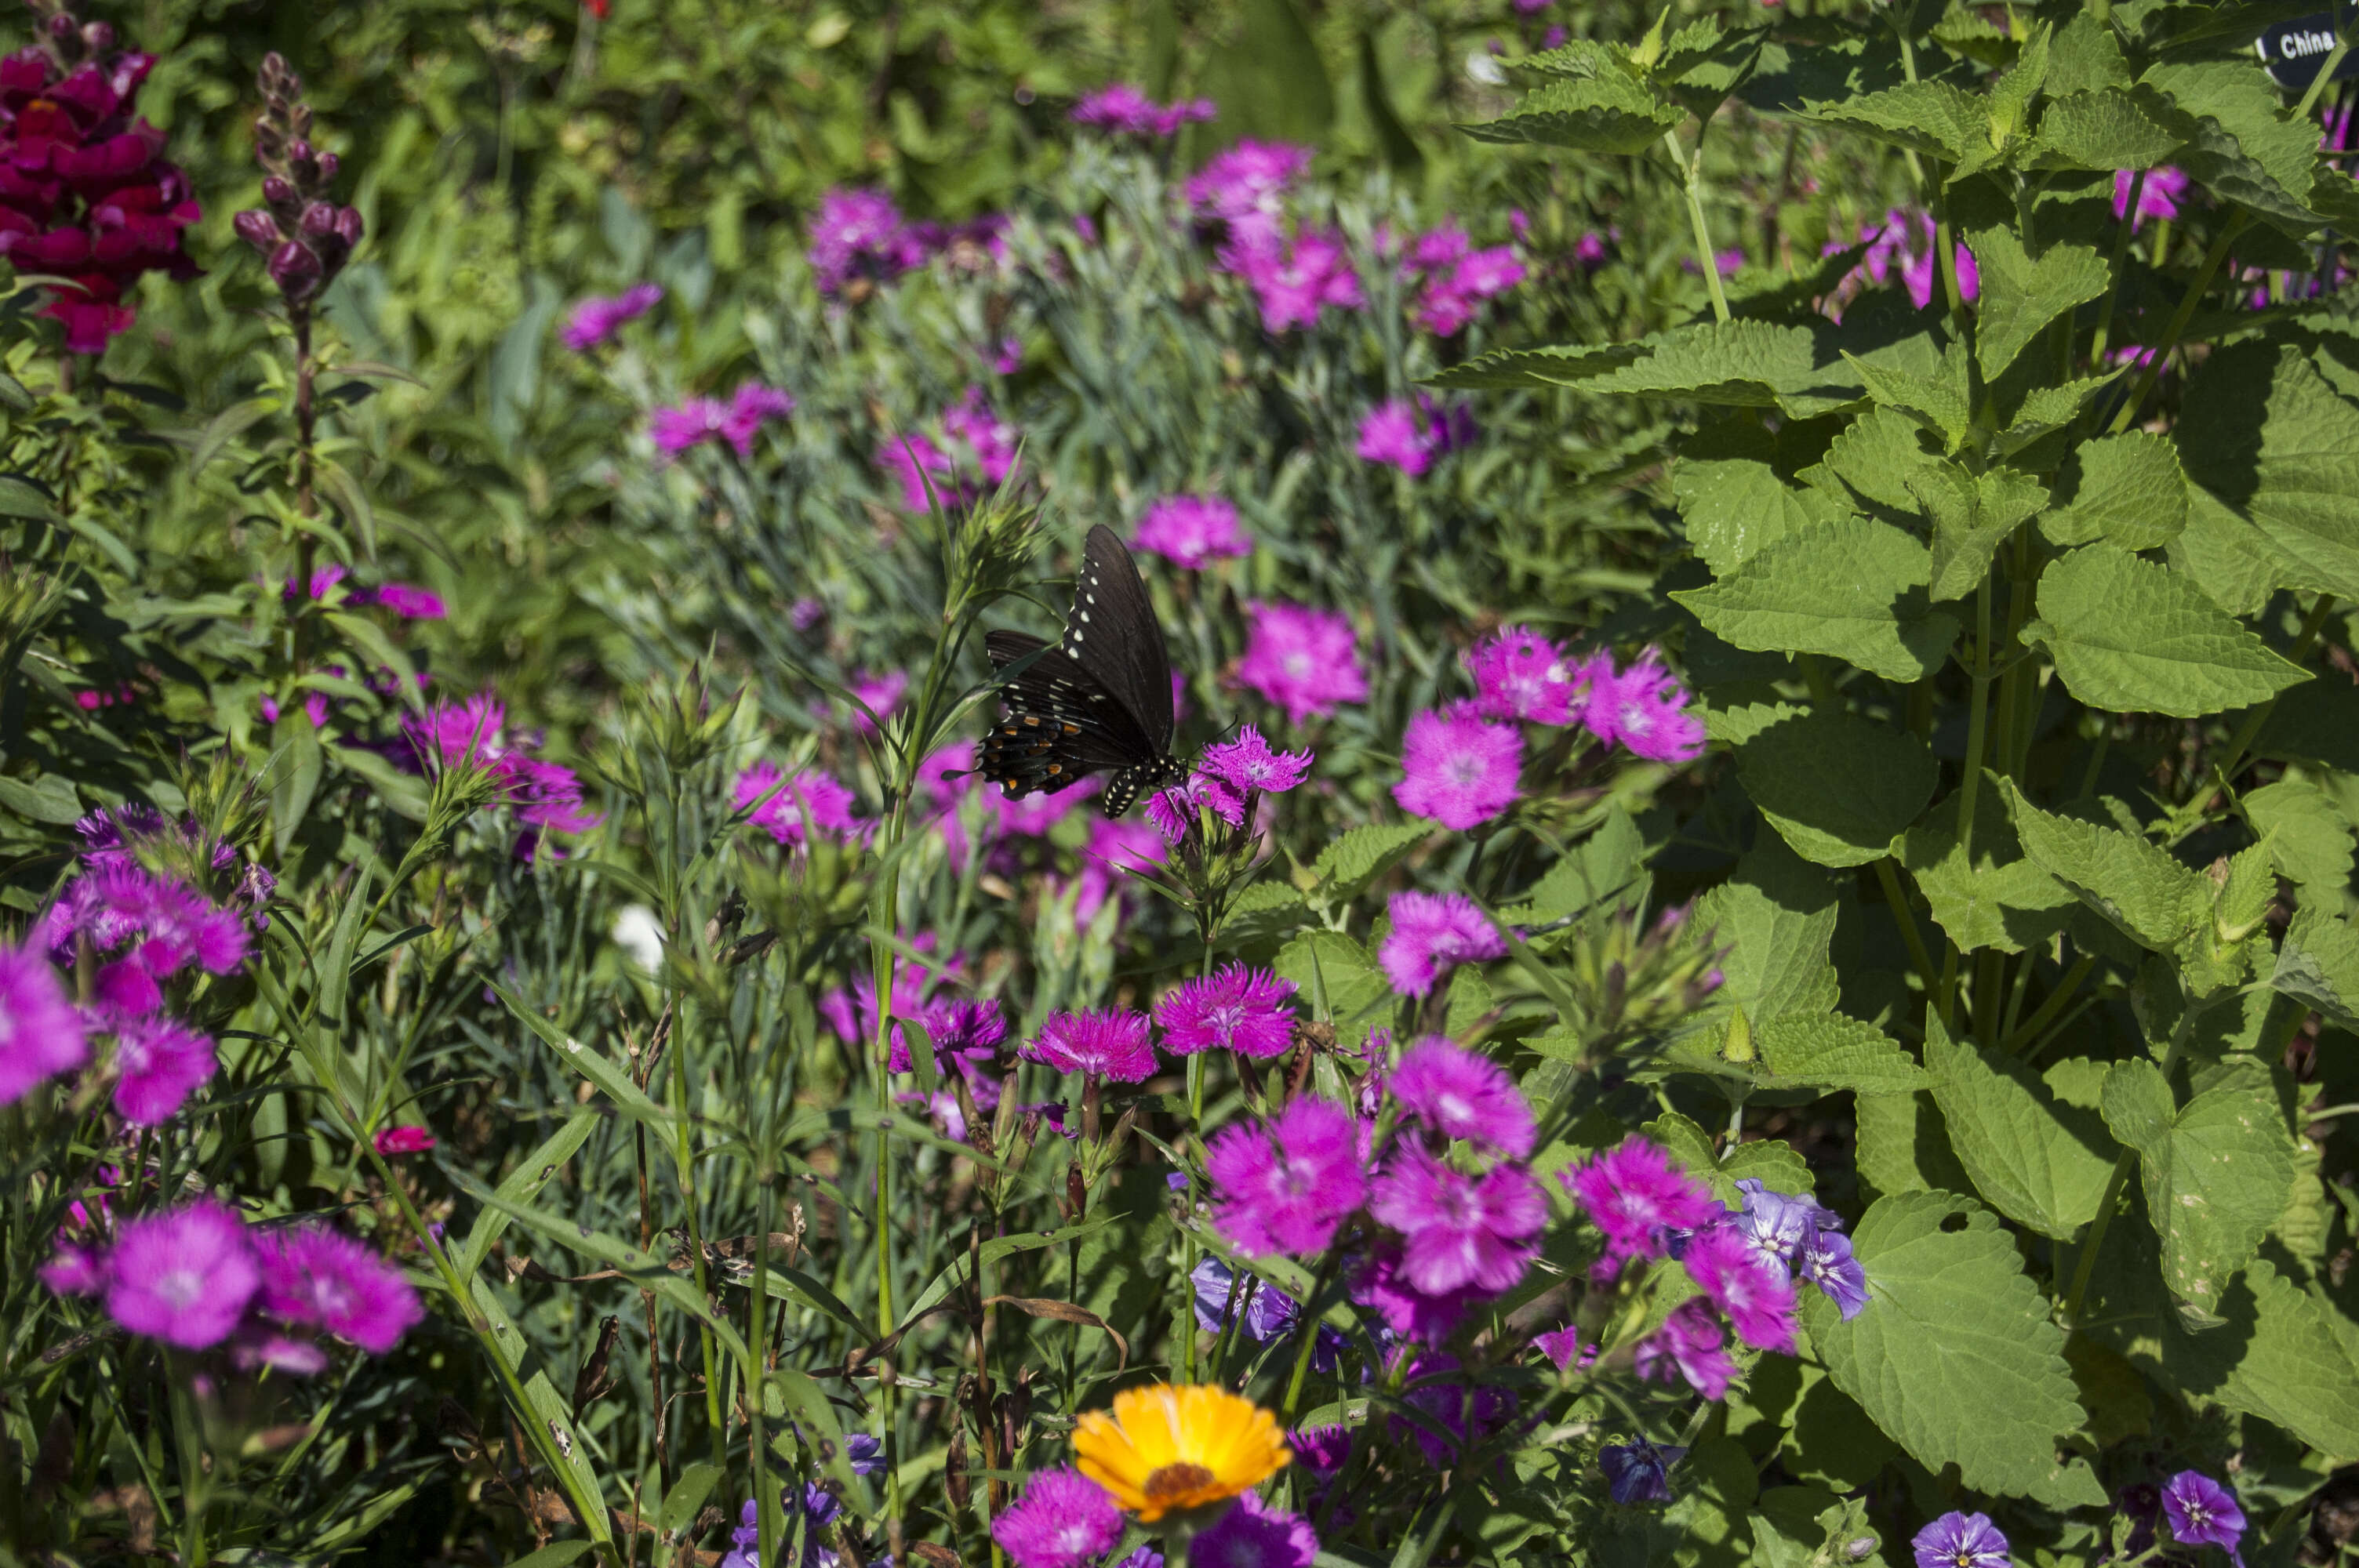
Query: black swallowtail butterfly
point(1101, 698)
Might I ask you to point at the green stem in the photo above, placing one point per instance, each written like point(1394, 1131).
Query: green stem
point(2218, 253)
point(2086, 1266)
point(1970, 781)
point(2054, 1004)
point(1690, 169)
point(1906, 919)
point(767, 1515)
point(2122, 232)
point(1307, 1329)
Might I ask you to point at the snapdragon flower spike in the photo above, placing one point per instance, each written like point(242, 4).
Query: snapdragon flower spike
point(304, 236)
point(1063, 1519)
point(1643, 709)
point(1638, 1194)
point(321, 1278)
point(1458, 1094)
point(2202, 1512)
point(1639, 1472)
point(1433, 934)
point(1960, 1541)
point(1192, 531)
point(1287, 1186)
point(1520, 674)
point(1234, 1007)
point(1459, 769)
point(1307, 661)
point(1458, 1232)
point(1691, 1345)
point(1102, 1043)
point(158, 1063)
point(42, 1031)
point(1758, 1301)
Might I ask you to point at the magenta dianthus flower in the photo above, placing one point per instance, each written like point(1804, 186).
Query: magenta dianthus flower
point(1307, 661)
point(1101, 1043)
point(1191, 531)
point(675, 430)
point(1461, 1094)
point(410, 602)
point(1234, 1007)
point(1391, 434)
point(1255, 1534)
point(159, 1062)
point(1115, 851)
point(1644, 708)
point(1458, 1232)
point(1432, 934)
point(1565, 1348)
point(880, 694)
point(313, 1275)
point(1518, 674)
point(1383, 1282)
point(1245, 185)
point(993, 441)
point(1689, 1345)
point(1295, 280)
point(1249, 763)
point(1286, 1186)
point(1960, 1540)
point(2159, 198)
point(596, 319)
point(1120, 109)
point(41, 1033)
point(1759, 1301)
point(2202, 1512)
point(1064, 1520)
point(809, 799)
point(183, 1275)
point(925, 471)
point(1459, 769)
point(859, 233)
point(1638, 1194)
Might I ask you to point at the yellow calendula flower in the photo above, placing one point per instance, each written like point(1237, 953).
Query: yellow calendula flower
point(1165, 1447)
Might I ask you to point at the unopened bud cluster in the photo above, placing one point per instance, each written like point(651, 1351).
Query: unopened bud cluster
point(306, 237)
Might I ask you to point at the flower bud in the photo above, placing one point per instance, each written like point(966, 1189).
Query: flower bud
point(280, 196)
point(61, 27)
point(318, 219)
point(298, 150)
point(295, 270)
point(99, 36)
point(257, 229)
point(329, 163)
point(348, 225)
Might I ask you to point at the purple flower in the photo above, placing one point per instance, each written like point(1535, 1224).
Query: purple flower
point(1297, 279)
point(160, 924)
point(859, 234)
point(1064, 1520)
point(991, 439)
point(1244, 186)
point(545, 796)
point(1230, 772)
point(1644, 708)
point(1689, 1345)
point(1307, 661)
point(751, 406)
point(1234, 1007)
point(41, 1033)
point(1518, 674)
point(1432, 934)
point(1565, 1348)
point(1758, 1301)
point(1286, 1186)
point(410, 601)
point(159, 1062)
point(1960, 1540)
point(1191, 531)
point(1776, 1225)
point(1391, 433)
point(2202, 1512)
point(1101, 1042)
point(2159, 198)
point(1827, 1262)
point(183, 1275)
point(1255, 1534)
point(312, 1275)
point(699, 419)
point(1638, 1195)
point(880, 694)
point(1121, 109)
point(809, 799)
point(1461, 1094)
point(1458, 1232)
point(864, 1454)
point(596, 319)
point(1459, 769)
point(1114, 849)
point(1270, 1313)
point(1449, 297)
point(1639, 1472)
point(1383, 1282)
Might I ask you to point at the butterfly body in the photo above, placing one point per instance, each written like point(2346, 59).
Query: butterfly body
point(1099, 699)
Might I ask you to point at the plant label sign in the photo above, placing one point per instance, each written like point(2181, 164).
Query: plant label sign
point(2292, 51)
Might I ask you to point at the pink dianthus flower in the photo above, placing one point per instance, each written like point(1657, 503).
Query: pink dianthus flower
point(1461, 770)
point(1638, 1194)
point(41, 1033)
point(183, 1275)
point(1518, 674)
point(320, 1277)
point(1285, 1186)
point(1644, 708)
point(159, 1062)
point(1691, 1345)
point(1191, 531)
point(1101, 1042)
point(1432, 934)
point(1458, 1232)
point(1758, 1303)
point(809, 799)
point(1307, 661)
point(1234, 1007)
point(1461, 1094)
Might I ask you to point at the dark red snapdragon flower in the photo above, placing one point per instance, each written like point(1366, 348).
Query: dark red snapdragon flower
point(86, 194)
point(305, 237)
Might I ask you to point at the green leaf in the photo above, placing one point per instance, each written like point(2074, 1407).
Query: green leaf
point(49, 798)
point(2084, 56)
point(1776, 916)
point(1568, 364)
point(1876, 455)
point(1935, 398)
point(19, 497)
point(296, 764)
point(1930, 118)
point(1359, 855)
point(2309, 840)
point(2224, 556)
point(2022, 293)
point(1839, 788)
point(2041, 1164)
point(523, 1184)
point(557, 1553)
point(607, 1075)
point(1955, 1356)
point(2317, 965)
point(2000, 899)
point(2244, 148)
point(1591, 872)
point(1746, 363)
point(2101, 131)
point(2136, 637)
point(1834, 1052)
point(2136, 885)
point(1972, 514)
point(681, 1504)
point(1271, 82)
point(1903, 1148)
point(1337, 977)
point(2125, 490)
point(2217, 1173)
point(1852, 589)
point(1733, 500)
point(1611, 112)
point(2266, 434)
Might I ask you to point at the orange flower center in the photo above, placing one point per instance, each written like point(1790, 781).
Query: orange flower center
point(1177, 1481)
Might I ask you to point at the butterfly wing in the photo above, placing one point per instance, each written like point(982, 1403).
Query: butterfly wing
point(1056, 725)
point(1112, 635)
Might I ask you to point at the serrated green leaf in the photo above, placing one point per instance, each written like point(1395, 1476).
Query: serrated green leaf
point(2309, 838)
point(2102, 130)
point(2317, 965)
point(1834, 1052)
point(1838, 788)
point(2246, 147)
point(1744, 363)
point(1564, 365)
point(2000, 899)
point(1853, 590)
point(1607, 113)
point(2022, 293)
point(1359, 855)
point(1930, 117)
point(1876, 454)
point(2217, 1173)
point(2125, 490)
point(2135, 637)
point(1595, 870)
point(1903, 1148)
point(1733, 500)
point(1777, 917)
point(1954, 1355)
point(2224, 556)
point(2267, 435)
point(1972, 514)
point(2041, 1164)
point(2084, 56)
point(1937, 399)
point(2135, 884)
